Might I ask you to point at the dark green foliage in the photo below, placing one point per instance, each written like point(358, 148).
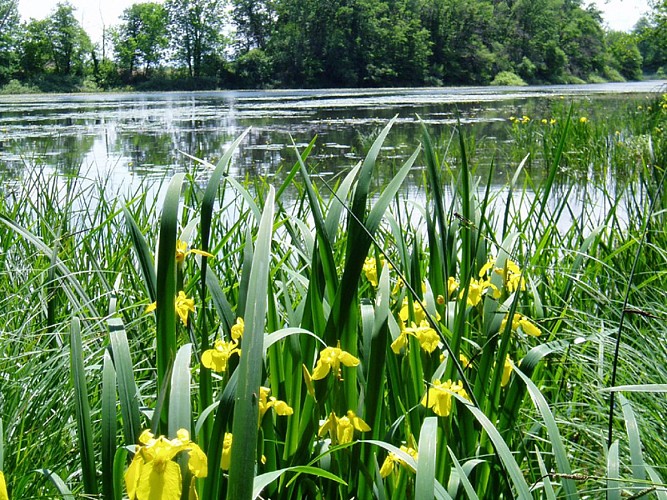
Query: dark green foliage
point(338, 43)
point(141, 39)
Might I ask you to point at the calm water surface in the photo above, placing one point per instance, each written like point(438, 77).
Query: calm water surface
point(130, 136)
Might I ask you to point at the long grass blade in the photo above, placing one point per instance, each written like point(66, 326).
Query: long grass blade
point(522, 490)
point(82, 408)
point(143, 254)
point(462, 477)
point(263, 480)
point(634, 440)
point(560, 454)
point(613, 473)
point(60, 485)
point(109, 420)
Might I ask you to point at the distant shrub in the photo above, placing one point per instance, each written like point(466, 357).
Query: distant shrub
point(16, 87)
point(507, 78)
point(573, 80)
point(613, 75)
point(595, 78)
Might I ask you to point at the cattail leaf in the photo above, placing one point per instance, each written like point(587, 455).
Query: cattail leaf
point(144, 255)
point(244, 431)
point(428, 445)
point(166, 284)
point(127, 388)
point(180, 411)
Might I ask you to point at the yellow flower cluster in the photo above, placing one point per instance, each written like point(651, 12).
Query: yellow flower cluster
point(522, 322)
point(551, 121)
point(341, 430)
point(523, 120)
point(511, 274)
point(439, 396)
point(393, 461)
point(153, 474)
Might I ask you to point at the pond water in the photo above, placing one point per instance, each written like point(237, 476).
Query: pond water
point(128, 136)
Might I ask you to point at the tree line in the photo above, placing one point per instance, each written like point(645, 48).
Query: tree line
point(184, 44)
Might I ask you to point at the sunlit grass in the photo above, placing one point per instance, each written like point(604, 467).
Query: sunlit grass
point(460, 344)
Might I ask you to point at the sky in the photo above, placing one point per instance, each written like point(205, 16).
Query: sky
point(619, 15)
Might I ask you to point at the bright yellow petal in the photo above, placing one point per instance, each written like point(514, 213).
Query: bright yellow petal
point(443, 404)
point(529, 328)
point(347, 359)
point(344, 431)
point(200, 252)
point(321, 370)
point(329, 425)
point(238, 328)
point(3, 487)
point(357, 422)
point(507, 371)
point(400, 343)
point(226, 451)
point(132, 475)
point(212, 360)
point(198, 463)
point(151, 307)
point(282, 408)
point(388, 465)
point(160, 481)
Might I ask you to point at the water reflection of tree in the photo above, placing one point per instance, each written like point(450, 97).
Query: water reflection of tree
point(64, 153)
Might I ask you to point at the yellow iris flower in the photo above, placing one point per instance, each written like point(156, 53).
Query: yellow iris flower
point(476, 291)
point(393, 461)
point(216, 359)
point(153, 474)
point(428, 338)
point(266, 402)
point(182, 251)
point(519, 321)
point(341, 430)
point(439, 396)
point(183, 306)
point(330, 360)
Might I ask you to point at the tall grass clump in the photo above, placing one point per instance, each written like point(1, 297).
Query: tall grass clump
point(321, 339)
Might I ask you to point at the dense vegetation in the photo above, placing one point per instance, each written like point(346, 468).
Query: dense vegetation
point(459, 343)
point(338, 43)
